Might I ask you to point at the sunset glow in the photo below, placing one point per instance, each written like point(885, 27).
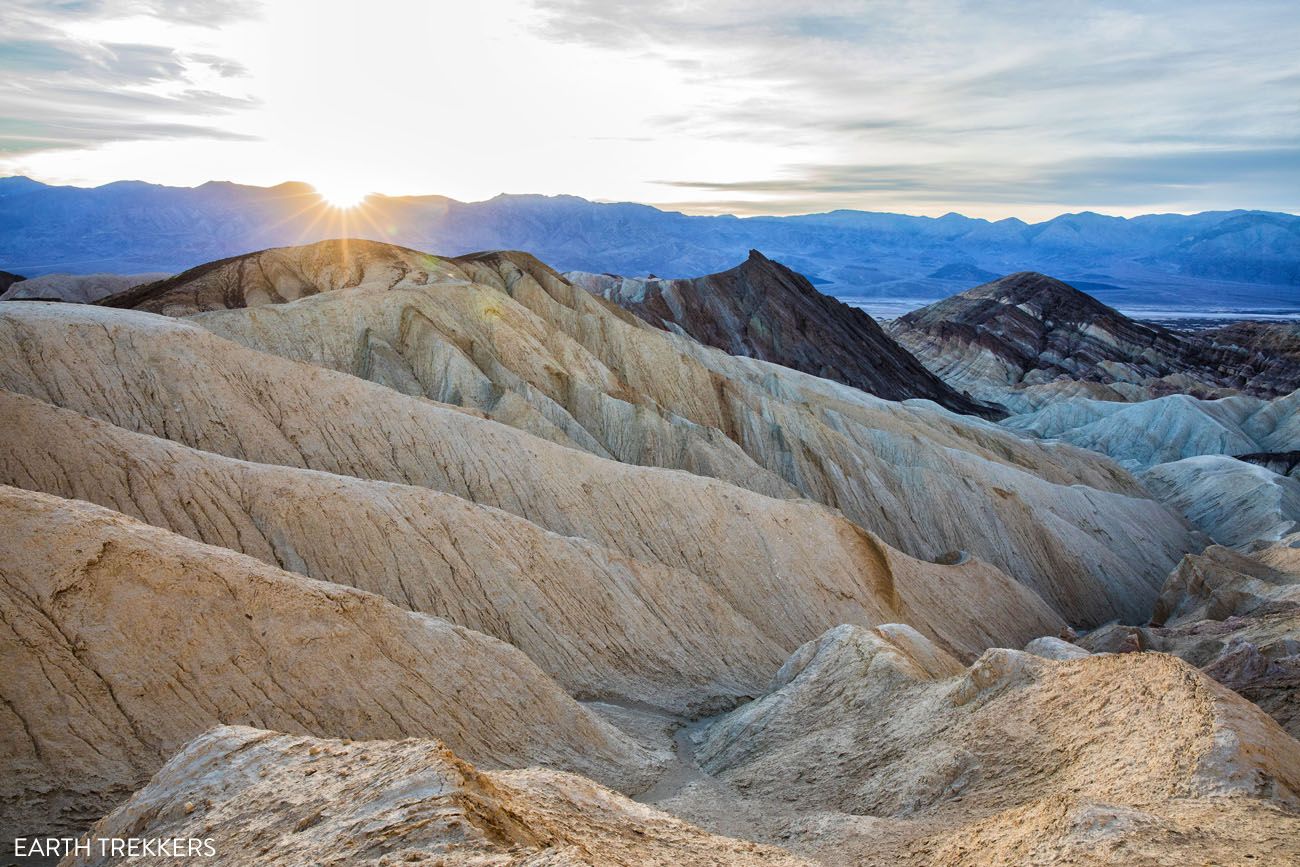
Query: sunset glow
point(342, 193)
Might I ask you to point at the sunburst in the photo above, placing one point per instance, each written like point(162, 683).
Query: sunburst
point(342, 193)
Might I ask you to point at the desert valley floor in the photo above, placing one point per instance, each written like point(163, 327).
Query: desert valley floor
point(352, 554)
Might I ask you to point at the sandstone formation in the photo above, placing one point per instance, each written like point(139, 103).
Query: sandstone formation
point(1170, 428)
point(264, 798)
point(764, 310)
point(1027, 329)
point(1234, 615)
point(604, 624)
point(279, 275)
point(77, 288)
point(873, 747)
point(504, 335)
point(1220, 583)
point(1235, 503)
point(121, 642)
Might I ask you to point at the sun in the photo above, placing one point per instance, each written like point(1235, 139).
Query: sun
point(342, 193)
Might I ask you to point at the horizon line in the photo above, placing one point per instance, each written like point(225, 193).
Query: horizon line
point(660, 207)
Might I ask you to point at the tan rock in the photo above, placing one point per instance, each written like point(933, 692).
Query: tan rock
point(504, 335)
point(604, 624)
point(287, 800)
point(152, 374)
point(122, 641)
point(863, 753)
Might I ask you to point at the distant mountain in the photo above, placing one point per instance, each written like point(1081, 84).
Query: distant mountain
point(963, 271)
point(764, 310)
point(1222, 259)
point(1028, 329)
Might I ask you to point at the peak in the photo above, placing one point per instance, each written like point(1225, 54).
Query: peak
point(1047, 292)
point(1028, 283)
point(755, 256)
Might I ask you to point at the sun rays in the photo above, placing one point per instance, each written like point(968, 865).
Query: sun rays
point(343, 194)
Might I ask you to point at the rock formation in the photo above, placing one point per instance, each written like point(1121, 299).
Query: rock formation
point(121, 642)
point(401, 514)
point(279, 275)
point(1235, 503)
point(504, 335)
point(605, 624)
point(1028, 329)
point(1234, 615)
point(875, 746)
point(1220, 583)
point(1169, 428)
point(764, 310)
point(1282, 463)
point(77, 288)
point(263, 798)
point(1279, 340)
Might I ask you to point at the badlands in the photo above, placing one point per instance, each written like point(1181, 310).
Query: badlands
point(352, 554)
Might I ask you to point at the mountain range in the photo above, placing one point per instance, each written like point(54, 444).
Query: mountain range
point(1240, 260)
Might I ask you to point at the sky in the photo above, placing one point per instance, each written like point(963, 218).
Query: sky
point(761, 106)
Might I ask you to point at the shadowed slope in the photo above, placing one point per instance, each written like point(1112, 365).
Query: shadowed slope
point(764, 310)
point(1028, 329)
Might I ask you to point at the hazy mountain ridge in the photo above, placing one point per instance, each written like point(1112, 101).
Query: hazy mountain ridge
point(1242, 258)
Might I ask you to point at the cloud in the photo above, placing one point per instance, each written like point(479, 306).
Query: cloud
point(1117, 181)
point(207, 13)
point(933, 101)
point(59, 90)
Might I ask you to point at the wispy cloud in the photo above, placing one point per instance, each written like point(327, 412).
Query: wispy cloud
point(1105, 103)
point(63, 90)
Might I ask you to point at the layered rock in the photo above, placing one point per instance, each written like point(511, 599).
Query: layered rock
point(1027, 329)
point(1233, 502)
point(1169, 428)
point(1272, 339)
point(1220, 583)
point(510, 338)
point(1234, 615)
point(764, 310)
point(122, 641)
point(874, 744)
point(266, 798)
point(278, 275)
point(604, 624)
